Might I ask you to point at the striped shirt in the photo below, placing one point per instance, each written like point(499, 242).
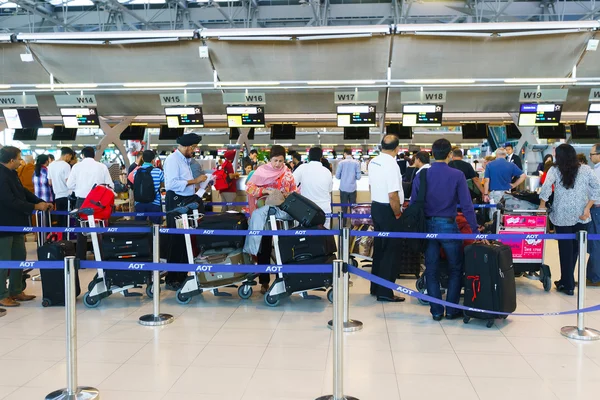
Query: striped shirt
point(42, 187)
point(157, 176)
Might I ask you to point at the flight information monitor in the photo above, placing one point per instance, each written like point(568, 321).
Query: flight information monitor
point(22, 118)
point(356, 116)
point(593, 116)
point(184, 117)
point(246, 117)
point(422, 115)
point(80, 117)
point(542, 114)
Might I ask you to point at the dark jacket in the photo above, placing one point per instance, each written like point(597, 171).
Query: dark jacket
point(16, 202)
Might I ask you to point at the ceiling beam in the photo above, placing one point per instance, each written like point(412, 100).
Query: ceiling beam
point(43, 13)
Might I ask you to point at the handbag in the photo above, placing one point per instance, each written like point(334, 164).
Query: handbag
point(413, 218)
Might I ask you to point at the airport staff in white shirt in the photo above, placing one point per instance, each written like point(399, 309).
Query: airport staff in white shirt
point(87, 173)
point(315, 181)
point(58, 173)
point(387, 197)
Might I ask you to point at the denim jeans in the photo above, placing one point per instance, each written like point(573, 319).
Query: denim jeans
point(148, 208)
point(455, 257)
point(347, 198)
point(593, 265)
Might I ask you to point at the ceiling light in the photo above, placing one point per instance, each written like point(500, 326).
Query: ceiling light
point(350, 82)
point(439, 81)
point(534, 81)
point(4, 86)
point(154, 84)
point(67, 85)
point(255, 83)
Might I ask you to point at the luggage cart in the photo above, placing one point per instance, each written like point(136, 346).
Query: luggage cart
point(100, 287)
point(192, 285)
point(528, 254)
point(361, 248)
point(281, 288)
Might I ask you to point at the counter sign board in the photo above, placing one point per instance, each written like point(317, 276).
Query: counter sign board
point(244, 99)
point(595, 94)
point(18, 100)
point(70, 101)
point(543, 95)
point(180, 99)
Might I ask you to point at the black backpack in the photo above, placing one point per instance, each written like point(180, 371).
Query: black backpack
point(413, 218)
point(143, 186)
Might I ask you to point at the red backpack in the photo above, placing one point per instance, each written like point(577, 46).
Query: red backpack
point(221, 178)
point(102, 200)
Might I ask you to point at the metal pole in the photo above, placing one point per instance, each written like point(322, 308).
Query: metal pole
point(72, 392)
point(349, 324)
point(338, 335)
point(156, 318)
point(580, 332)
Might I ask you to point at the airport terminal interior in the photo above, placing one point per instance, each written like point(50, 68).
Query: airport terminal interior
point(126, 76)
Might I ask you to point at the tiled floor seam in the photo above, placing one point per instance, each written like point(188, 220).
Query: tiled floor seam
point(462, 366)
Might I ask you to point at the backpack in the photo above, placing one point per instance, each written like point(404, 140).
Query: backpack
point(143, 186)
point(221, 179)
point(413, 218)
point(101, 199)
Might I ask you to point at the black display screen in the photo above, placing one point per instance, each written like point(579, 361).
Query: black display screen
point(22, 118)
point(542, 114)
point(475, 131)
point(356, 133)
point(80, 117)
point(403, 132)
point(283, 132)
point(552, 132)
point(184, 117)
point(422, 115)
point(133, 132)
point(593, 116)
point(583, 131)
point(246, 117)
point(234, 134)
point(356, 116)
point(167, 133)
point(512, 132)
point(26, 134)
point(64, 134)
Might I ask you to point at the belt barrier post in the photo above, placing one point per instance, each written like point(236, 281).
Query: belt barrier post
point(339, 269)
point(72, 392)
point(349, 324)
point(580, 332)
point(156, 318)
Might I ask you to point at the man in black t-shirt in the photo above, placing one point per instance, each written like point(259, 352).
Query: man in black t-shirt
point(466, 168)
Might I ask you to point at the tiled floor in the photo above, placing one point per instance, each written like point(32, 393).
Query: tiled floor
point(230, 349)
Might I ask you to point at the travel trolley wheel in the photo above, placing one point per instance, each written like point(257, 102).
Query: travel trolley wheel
point(271, 301)
point(330, 295)
point(182, 298)
point(420, 285)
point(90, 302)
point(490, 323)
point(150, 290)
point(466, 320)
point(46, 303)
point(245, 292)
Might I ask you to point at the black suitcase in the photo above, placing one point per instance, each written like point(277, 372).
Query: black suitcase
point(298, 248)
point(223, 221)
point(303, 210)
point(53, 280)
point(489, 281)
point(301, 282)
point(409, 261)
point(128, 247)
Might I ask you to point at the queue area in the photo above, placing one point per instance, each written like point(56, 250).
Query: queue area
point(229, 348)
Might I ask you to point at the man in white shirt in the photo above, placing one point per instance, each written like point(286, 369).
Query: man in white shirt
point(87, 173)
point(315, 181)
point(387, 196)
point(593, 265)
point(58, 174)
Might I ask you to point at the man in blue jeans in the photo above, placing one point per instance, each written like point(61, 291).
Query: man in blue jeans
point(446, 189)
point(593, 266)
point(159, 180)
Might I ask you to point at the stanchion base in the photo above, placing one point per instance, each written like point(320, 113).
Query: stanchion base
point(83, 393)
point(155, 320)
point(588, 334)
point(37, 278)
point(350, 326)
point(330, 397)
point(2, 312)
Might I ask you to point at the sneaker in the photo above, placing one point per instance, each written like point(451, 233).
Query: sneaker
point(9, 302)
point(23, 297)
